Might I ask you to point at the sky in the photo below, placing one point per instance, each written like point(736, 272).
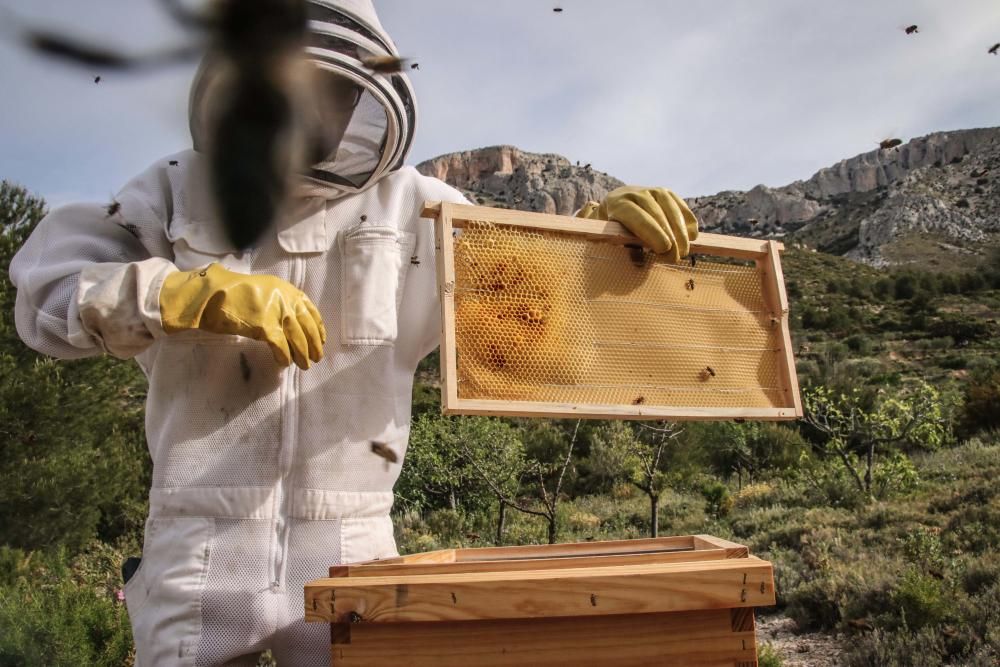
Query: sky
point(695, 96)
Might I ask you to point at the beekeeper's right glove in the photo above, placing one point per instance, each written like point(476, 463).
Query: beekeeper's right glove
point(261, 307)
point(661, 219)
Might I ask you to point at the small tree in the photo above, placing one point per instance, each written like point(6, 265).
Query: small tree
point(859, 434)
point(751, 448)
point(642, 455)
point(496, 453)
point(547, 479)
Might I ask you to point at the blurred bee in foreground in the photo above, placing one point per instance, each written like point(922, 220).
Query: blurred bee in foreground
point(257, 141)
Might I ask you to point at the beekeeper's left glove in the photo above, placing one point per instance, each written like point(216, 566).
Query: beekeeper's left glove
point(657, 216)
point(262, 307)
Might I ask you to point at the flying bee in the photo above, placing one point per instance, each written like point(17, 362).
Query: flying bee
point(889, 143)
point(415, 66)
point(752, 221)
point(384, 64)
point(911, 29)
point(114, 207)
point(415, 260)
point(385, 451)
point(557, 10)
point(993, 49)
point(97, 79)
point(639, 401)
point(258, 46)
point(173, 163)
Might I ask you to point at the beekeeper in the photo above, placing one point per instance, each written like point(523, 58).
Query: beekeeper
point(263, 474)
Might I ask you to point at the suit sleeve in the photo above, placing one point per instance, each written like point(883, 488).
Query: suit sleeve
point(88, 277)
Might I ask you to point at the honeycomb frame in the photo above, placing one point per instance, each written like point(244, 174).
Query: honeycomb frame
point(583, 323)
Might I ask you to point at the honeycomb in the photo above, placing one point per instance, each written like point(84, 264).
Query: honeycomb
point(559, 318)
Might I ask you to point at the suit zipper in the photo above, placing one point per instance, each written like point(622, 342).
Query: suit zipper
point(286, 455)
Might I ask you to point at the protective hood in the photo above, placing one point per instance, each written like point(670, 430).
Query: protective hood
point(341, 34)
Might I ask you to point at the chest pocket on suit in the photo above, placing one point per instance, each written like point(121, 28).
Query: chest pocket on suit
point(373, 261)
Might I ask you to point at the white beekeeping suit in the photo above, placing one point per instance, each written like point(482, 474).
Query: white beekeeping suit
point(262, 476)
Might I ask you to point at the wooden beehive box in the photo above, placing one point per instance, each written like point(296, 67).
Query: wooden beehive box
point(662, 601)
point(553, 316)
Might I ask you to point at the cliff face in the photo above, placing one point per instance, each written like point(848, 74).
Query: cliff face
point(934, 197)
point(932, 200)
point(507, 177)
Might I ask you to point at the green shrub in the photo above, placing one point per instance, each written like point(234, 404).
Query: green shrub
point(980, 574)
point(892, 649)
point(921, 599)
point(52, 615)
point(953, 361)
point(859, 344)
point(768, 656)
point(718, 502)
point(961, 328)
point(981, 408)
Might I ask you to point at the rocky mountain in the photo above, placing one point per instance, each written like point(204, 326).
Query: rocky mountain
point(507, 177)
point(934, 200)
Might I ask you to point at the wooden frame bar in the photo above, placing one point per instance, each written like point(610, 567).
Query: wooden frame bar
point(622, 589)
point(764, 253)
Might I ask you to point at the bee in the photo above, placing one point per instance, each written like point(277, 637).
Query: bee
point(97, 79)
point(694, 260)
point(557, 10)
point(415, 260)
point(689, 285)
point(911, 29)
point(173, 163)
point(252, 155)
point(636, 255)
point(889, 143)
point(706, 373)
point(639, 401)
point(364, 218)
point(114, 207)
point(385, 451)
point(993, 49)
point(384, 64)
point(752, 221)
point(415, 66)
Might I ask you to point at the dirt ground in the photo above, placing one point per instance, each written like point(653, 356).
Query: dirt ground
point(798, 650)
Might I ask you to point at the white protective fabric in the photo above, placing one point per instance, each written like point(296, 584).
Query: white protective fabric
point(262, 477)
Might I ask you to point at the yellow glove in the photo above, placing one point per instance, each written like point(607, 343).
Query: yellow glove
point(262, 307)
point(657, 216)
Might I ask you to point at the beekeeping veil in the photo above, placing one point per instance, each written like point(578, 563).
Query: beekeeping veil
point(378, 136)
